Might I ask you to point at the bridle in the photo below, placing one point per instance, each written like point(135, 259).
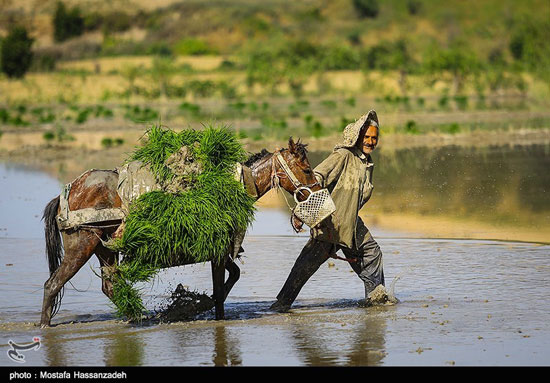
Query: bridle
point(289, 174)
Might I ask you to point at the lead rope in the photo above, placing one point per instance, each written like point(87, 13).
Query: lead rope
point(276, 184)
point(275, 181)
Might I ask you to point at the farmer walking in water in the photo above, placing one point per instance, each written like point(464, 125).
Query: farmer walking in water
point(347, 174)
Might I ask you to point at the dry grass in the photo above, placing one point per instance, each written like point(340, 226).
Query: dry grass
point(110, 64)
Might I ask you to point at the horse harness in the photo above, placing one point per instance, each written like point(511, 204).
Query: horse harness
point(317, 206)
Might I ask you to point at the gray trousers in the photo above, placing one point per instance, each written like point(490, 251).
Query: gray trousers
point(366, 261)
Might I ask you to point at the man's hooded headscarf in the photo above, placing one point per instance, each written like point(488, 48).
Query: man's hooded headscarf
point(353, 131)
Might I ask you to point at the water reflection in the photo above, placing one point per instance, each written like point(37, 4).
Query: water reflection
point(226, 348)
point(368, 344)
point(351, 339)
point(125, 349)
point(55, 354)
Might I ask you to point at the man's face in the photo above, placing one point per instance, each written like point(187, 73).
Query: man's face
point(368, 140)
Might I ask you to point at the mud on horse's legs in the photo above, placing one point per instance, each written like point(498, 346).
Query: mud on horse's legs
point(79, 247)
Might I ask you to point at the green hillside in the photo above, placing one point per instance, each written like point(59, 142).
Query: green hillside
point(502, 31)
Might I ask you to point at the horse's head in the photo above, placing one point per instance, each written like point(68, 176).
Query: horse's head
point(294, 172)
point(290, 169)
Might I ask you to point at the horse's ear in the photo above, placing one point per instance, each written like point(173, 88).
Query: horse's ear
point(291, 145)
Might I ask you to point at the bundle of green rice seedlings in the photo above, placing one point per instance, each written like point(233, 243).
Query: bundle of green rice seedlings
point(195, 225)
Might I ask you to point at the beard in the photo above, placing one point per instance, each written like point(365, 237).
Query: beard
point(367, 149)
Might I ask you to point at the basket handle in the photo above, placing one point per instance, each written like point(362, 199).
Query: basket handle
point(298, 190)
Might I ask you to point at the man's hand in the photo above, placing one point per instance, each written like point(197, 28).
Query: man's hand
point(296, 224)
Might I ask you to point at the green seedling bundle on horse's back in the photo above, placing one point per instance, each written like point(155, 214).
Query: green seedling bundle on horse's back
point(197, 224)
point(166, 229)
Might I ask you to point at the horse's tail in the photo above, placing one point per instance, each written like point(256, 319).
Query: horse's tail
point(54, 246)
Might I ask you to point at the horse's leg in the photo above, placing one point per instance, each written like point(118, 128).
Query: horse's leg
point(218, 279)
point(234, 275)
point(107, 260)
point(79, 247)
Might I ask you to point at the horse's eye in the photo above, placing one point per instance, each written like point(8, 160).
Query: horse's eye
point(307, 171)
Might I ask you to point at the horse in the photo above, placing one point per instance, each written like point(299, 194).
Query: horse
point(68, 250)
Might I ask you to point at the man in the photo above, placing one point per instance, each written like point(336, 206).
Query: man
point(347, 173)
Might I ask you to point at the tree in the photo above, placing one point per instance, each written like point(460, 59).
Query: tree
point(290, 62)
point(530, 49)
point(16, 55)
point(391, 55)
point(67, 23)
point(458, 60)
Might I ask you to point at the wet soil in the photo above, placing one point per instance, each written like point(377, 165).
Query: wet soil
point(184, 305)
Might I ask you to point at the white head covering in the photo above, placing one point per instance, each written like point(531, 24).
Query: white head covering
point(353, 130)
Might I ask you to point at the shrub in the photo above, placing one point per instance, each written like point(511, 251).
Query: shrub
point(49, 135)
point(339, 57)
point(414, 7)
point(108, 142)
point(443, 101)
point(329, 104)
point(44, 116)
point(200, 88)
point(411, 127)
point(193, 47)
point(350, 101)
point(192, 109)
point(59, 134)
point(137, 114)
point(366, 8)
point(116, 22)
point(82, 116)
point(313, 127)
point(453, 128)
point(4, 115)
point(227, 91)
point(16, 55)
point(461, 101)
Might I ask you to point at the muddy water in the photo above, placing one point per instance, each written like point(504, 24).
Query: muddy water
point(461, 302)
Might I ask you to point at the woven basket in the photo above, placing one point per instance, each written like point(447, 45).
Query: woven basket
point(317, 206)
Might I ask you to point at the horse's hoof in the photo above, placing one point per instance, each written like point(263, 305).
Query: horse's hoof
point(280, 307)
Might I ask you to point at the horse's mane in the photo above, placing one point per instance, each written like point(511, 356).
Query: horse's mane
point(256, 157)
point(300, 148)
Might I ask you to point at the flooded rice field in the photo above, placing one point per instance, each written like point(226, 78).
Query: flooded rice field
point(462, 302)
